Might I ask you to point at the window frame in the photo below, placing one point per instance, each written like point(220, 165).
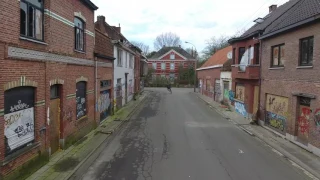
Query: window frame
point(309, 62)
point(119, 57)
point(279, 46)
point(172, 56)
point(83, 34)
point(86, 98)
point(34, 25)
point(173, 66)
point(154, 65)
point(234, 56)
point(163, 66)
point(244, 51)
point(57, 90)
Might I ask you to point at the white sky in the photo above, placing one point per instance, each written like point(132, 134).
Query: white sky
point(194, 21)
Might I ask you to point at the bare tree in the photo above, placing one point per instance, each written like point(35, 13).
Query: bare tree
point(214, 44)
point(166, 39)
point(144, 48)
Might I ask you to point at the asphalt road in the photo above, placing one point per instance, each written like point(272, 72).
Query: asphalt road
point(177, 137)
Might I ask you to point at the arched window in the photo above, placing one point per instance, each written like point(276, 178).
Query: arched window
point(19, 118)
point(79, 34)
point(81, 99)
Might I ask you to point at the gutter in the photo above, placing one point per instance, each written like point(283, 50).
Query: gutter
point(210, 67)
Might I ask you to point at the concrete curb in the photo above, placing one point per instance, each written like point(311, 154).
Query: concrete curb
point(115, 129)
point(272, 145)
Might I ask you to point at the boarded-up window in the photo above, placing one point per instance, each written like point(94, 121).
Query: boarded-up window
point(278, 53)
point(81, 100)
point(240, 89)
point(208, 84)
point(19, 118)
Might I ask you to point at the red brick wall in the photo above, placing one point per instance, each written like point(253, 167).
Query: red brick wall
point(284, 82)
point(59, 39)
point(212, 75)
point(167, 70)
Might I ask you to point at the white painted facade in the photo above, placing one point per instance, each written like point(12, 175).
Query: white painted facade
point(121, 67)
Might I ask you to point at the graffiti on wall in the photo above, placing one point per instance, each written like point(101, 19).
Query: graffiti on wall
point(277, 104)
point(276, 121)
point(68, 113)
point(276, 112)
point(226, 93)
point(240, 108)
point(240, 92)
point(231, 95)
point(303, 121)
point(317, 117)
point(18, 118)
point(104, 104)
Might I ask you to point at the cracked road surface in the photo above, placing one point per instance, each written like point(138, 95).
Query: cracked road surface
point(177, 137)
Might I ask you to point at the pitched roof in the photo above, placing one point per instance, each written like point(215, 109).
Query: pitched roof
point(303, 12)
point(267, 20)
point(219, 58)
point(179, 50)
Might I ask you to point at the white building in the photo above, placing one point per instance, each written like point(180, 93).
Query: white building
point(123, 74)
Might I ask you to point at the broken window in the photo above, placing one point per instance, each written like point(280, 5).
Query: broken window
point(277, 58)
point(306, 51)
point(241, 53)
point(31, 19)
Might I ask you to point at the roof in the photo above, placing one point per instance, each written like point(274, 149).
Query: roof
point(179, 50)
point(267, 20)
point(90, 4)
point(303, 12)
point(218, 58)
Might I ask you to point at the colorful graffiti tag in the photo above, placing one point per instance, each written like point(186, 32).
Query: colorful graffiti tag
point(226, 93)
point(104, 104)
point(231, 95)
point(276, 121)
point(240, 108)
point(317, 117)
point(303, 121)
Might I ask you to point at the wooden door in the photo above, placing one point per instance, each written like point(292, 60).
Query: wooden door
point(54, 125)
point(303, 120)
point(256, 99)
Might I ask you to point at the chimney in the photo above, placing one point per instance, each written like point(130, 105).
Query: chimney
point(101, 18)
point(272, 8)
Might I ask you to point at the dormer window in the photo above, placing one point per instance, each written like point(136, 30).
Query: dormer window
point(172, 56)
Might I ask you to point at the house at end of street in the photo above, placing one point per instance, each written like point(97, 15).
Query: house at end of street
point(167, 60)
point(214, 76)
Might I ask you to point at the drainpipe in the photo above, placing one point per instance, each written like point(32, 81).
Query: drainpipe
point(95, 87)
point(260, 75)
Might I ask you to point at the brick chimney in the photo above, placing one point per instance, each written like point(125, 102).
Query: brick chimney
point(101, 18)
point(272, 8)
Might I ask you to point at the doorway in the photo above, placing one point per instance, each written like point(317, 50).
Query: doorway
point(55, 91)
point(304, 115)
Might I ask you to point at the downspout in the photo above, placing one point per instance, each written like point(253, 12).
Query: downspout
point(260, 75)
point(95, 88)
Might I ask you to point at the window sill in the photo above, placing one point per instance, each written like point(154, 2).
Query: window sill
point(276, 68)
point(304, 67)
point(20, 152)
point(32, 40)
point(82, 119)
point(82, 52)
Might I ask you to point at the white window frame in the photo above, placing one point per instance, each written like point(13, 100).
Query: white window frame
point(172, 67)
point(172, 56)
point(163, 66)
point(154, 65)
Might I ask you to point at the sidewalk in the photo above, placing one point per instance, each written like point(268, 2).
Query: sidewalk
point(64, 163)
point(296, 155)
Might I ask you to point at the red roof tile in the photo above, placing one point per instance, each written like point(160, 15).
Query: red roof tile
point(219, 58)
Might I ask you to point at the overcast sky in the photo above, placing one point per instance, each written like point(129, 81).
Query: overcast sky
point(194, 21)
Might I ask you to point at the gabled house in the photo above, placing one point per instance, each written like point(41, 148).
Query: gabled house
point(246, 61)
point(214, 76)
point(126, 56)
point(167, 60)
point(290, 66)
